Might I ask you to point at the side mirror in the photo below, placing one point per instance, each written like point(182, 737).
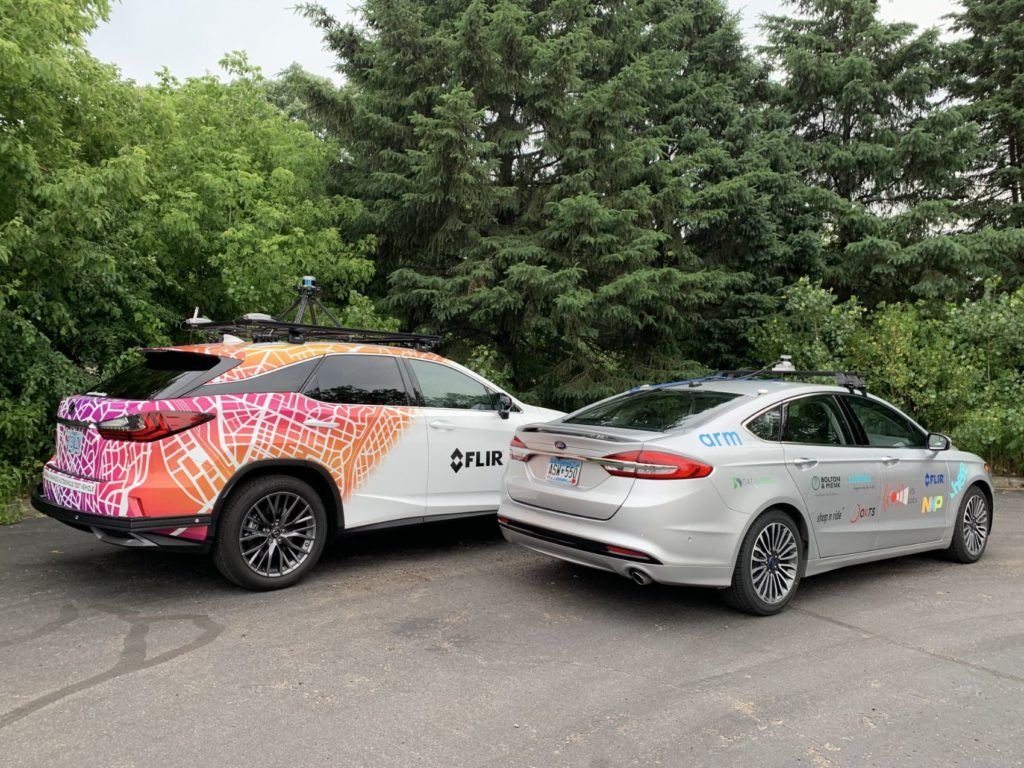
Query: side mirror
point(937, 442)
point(505, 405)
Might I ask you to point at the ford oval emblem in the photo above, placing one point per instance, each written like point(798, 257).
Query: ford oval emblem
point(559, 445)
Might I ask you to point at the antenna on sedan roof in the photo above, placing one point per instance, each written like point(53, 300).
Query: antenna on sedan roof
point(265, 328)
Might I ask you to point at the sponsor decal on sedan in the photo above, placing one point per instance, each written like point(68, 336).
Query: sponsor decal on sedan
point(861, 512)
point(718, 439)
point(826, 482)
point(958, 485)
point(743, 482)
point(829, 517)
point(898, 495)
point(931, 504)
point(862, 481)
point(934, 479)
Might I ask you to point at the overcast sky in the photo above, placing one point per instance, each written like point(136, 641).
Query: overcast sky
point(190, 36)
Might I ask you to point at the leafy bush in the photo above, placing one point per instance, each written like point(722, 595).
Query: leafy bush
point(954, 367)
point(121, 207)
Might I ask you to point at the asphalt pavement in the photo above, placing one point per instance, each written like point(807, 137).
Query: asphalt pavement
point(444, 646)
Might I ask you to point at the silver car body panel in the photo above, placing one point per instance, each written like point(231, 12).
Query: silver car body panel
point(855, 503)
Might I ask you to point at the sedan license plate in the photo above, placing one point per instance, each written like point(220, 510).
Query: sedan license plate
point(564, 471)
point(73, 441)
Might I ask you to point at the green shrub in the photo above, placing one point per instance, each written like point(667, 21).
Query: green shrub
point(954, 367)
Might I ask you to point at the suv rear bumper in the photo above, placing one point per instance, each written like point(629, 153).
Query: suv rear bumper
point(128, 531)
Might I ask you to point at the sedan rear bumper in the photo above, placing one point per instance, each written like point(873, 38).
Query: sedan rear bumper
point(129, 531)
point(556, 545)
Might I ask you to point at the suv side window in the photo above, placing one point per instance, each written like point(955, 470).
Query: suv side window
point(358, 380)
point(444, 387)
point(883, 426)
point(290, 378)
point(816, 421)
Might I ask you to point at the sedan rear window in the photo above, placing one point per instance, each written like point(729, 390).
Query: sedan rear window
point(653, 410)
point(164, 374)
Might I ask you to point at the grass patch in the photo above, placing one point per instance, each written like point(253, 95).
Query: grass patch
point(14, 511)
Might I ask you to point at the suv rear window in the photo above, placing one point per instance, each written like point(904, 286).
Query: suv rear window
point(654, 410)
point(164, 374)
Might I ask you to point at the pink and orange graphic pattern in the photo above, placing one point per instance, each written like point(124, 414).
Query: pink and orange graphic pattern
point(183, 474)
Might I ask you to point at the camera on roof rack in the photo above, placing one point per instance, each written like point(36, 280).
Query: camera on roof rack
point(264, 328)
point(784, 369)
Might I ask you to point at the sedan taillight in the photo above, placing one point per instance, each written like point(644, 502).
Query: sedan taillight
point(150, 426)
point(518, 450)
point(655, 465)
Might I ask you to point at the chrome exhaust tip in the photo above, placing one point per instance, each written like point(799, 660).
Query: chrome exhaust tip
point(639, 577)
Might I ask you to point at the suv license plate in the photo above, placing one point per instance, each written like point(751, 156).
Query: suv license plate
point(564, 471)
point(73, 440)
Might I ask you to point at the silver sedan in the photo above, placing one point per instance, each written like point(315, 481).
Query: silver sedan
point(742, 484)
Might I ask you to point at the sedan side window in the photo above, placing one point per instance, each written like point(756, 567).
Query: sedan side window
point(883, 426)
point(767, 426)
point(444, 387)
point(358, 380)
point(816, 421)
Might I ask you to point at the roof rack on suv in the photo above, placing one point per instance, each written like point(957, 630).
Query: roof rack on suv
point(784, 369)
point(265, 328)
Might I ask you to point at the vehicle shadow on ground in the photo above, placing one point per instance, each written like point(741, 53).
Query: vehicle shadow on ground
point(150, 572)
point(414, 541)
point(620, 595)
point(112, 570)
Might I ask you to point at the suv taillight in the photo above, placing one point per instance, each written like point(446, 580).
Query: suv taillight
point(150, 426)
point(654, 465)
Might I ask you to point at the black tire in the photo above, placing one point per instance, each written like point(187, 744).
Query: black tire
point(252, 506)
point(742, 594)
point(972, 529)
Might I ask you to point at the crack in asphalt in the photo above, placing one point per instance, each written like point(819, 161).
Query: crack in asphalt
point(910, 646)
point(132, 657)
point(68, 614)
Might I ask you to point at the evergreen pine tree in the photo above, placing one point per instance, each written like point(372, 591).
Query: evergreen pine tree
point(589, 187)
point(987, 60)
point(864, 97)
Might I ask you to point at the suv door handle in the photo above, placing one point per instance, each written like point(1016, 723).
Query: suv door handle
point(890, 461)
point(319, 423)
point(442, 424)
point(805, 463)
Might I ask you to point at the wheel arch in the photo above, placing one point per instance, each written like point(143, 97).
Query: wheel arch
point(793, 512)
point(310, 472)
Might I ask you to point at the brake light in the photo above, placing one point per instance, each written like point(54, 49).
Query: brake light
point(517, 450)
point(150, 426)
point(654, 465)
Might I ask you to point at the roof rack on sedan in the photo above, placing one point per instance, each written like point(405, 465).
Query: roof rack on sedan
point(784, 369)
point(265, 328)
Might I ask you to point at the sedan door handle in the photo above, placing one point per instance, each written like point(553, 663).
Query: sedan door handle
point(447, 426)
point(890, 461)
point(319, 423)
point(805, 463)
